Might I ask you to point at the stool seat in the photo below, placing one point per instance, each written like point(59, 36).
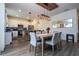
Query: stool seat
point(70, 37)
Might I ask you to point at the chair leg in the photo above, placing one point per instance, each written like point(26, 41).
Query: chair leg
point(57, 45)
point(60, 44)
point(30, 48)
point(52, 50)
point(35, 51)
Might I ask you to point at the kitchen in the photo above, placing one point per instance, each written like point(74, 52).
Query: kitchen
point(21, 20)
point(18, 26)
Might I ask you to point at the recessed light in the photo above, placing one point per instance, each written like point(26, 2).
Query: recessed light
point(19, 10)
point(16, 15)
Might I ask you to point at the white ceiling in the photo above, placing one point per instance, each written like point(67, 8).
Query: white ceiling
point(12, 9)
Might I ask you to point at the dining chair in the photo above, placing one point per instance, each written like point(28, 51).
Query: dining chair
point(59, 40)
point(38, 32)
point(34, 41)
point(53, 41)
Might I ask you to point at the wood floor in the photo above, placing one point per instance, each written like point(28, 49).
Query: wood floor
point(21, 48)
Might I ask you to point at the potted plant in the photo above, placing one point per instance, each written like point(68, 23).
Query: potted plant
point(48, 29)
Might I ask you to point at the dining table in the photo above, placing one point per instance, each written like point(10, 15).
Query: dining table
point(42, 36)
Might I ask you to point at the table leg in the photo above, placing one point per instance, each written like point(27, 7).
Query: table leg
point(42, 47)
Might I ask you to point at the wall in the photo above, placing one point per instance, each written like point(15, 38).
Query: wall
point(71, 14)
point(2, 26)
point(13, 22)
point(42, 25)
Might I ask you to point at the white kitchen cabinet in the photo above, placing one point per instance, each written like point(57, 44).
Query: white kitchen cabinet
point(8, 38)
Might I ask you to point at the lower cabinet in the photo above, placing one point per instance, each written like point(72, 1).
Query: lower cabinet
point(8, 38)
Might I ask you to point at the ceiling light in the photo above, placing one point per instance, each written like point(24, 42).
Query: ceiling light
point(19, 10)
point(16, 15)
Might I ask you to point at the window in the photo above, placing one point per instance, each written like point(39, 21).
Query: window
point(62, 23)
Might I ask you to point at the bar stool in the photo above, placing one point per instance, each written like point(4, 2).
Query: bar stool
point(70, 37)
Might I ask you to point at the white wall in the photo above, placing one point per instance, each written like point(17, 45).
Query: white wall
point(43, 24)
point(71, 14)
point(13, 22)
point(2, 26)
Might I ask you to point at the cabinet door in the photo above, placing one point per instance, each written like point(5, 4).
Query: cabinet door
point(8, 38)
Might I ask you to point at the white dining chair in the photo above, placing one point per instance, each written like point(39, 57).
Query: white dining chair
point(59, 40)
point(38, 32)
point(53, 41)
point(34, 41)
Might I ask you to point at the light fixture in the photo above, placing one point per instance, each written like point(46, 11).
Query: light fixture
point(20, 10)
point(29, 18)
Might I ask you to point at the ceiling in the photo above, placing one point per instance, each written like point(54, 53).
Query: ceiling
point(48, 6)
point(22, 9)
